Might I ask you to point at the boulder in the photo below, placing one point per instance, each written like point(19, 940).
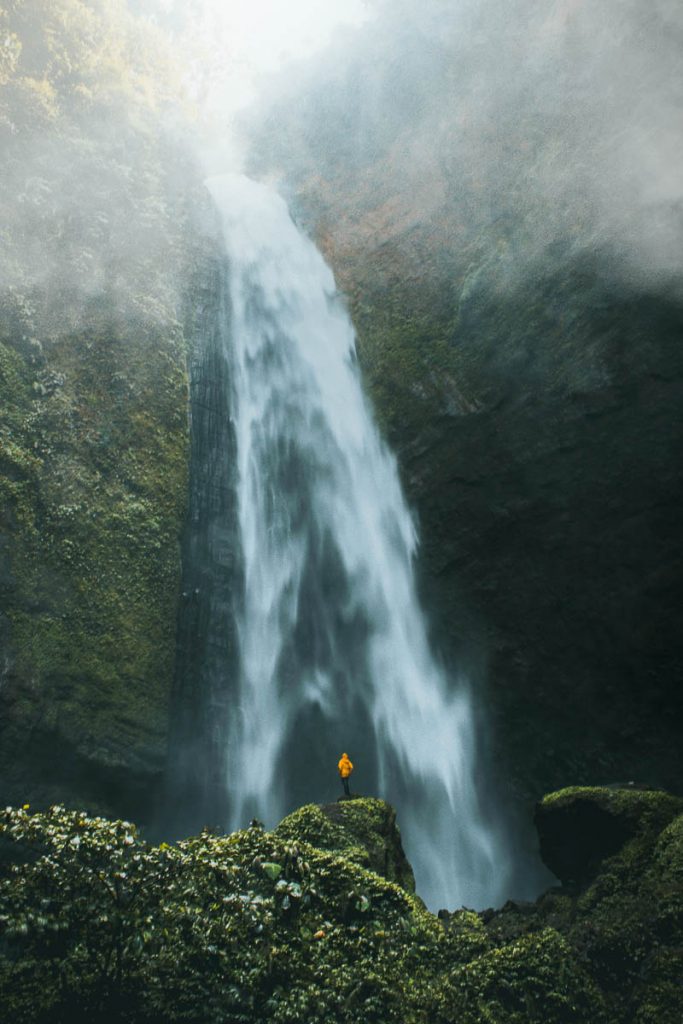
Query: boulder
point(580, 827)
point(362, 829)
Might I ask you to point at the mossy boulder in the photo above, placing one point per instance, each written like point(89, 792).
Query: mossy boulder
point(580, 827)
point(624, 923)
point(364, 830)
point(228, 929)
point(538, 977)
point(629, 921)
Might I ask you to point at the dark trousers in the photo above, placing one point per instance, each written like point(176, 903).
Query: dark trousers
point(345, 784)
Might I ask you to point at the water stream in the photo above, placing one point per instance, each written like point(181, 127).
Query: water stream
point(333, 648)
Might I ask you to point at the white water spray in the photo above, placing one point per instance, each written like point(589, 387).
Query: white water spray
point(333, 645)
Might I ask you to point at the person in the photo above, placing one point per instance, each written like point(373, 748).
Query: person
point(345, 768)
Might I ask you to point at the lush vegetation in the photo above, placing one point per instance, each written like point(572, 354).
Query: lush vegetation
point(240, 928)
point(258, 926)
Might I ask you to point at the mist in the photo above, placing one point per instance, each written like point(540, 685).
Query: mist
point(95, 169)
point(554, 124)
point(563, 124)
point(341, 393)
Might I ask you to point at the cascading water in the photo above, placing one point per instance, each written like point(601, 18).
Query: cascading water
point(333, 646)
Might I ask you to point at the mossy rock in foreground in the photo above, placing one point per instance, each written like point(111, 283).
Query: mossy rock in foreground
point(363, 829)
point(235, 929)
point(96, 924)
point(538, 977)
point(625, 922)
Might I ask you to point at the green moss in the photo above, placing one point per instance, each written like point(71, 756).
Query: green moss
point(93, 401)
point(363, 829)
point(238, 928)
point(364, 816)
point(311, 825)
point(264, 926)
point(466, 938)
point(410, 367)
point(536, 978)
point(652, 807)
point(631, 917)
point(669, 850)
point(94, 479)
point(659, 999)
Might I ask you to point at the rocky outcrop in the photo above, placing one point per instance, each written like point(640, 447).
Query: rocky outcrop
point(620, 851)
point(362, 829)
point(580, 828)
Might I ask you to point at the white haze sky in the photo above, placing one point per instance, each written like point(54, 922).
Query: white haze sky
point(241, 40)
point(238, 42)
point(266, 33)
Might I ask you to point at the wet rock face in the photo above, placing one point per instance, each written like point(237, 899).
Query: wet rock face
point(574, 843)
point(206, 644)
point(551, 539)
point(94, 497)
point(89, 518)
point(93, 410)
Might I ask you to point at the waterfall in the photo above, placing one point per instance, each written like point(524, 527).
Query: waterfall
point(333, 647)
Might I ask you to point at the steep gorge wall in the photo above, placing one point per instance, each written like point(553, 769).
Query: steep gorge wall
point(519, 308)
point(98, 208)
point(543, 463)
point(93, 487)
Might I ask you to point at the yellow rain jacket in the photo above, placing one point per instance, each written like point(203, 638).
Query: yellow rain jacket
point(345, 767)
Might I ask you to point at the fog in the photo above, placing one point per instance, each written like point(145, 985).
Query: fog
point(563, 121)
point(107, 110)
point(94, 168)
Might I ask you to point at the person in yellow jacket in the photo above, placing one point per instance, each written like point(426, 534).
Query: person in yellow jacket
point(345, 768)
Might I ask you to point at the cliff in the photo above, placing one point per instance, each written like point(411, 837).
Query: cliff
point(94, 431)
point(521, 350)
point(513, 278)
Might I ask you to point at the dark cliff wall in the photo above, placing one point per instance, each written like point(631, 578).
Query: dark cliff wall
point(552, 537)
point(478, 182)
point(545, 473)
